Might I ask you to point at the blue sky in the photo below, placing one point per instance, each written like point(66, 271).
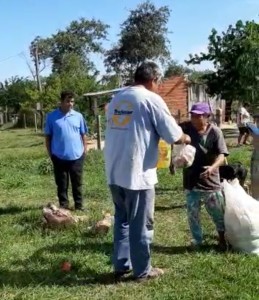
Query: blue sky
point(191, 22)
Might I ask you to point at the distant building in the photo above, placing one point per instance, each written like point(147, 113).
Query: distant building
point(179, 94)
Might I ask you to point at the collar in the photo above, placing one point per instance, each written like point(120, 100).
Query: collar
point(70, 113)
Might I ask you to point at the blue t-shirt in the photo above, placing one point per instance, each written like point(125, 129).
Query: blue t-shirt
point(136, 119)
point(66, 132)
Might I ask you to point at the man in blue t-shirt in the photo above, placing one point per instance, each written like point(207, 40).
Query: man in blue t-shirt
point(65, 132)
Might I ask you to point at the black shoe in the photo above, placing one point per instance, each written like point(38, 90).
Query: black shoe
point(64, 206)
point(80, 208)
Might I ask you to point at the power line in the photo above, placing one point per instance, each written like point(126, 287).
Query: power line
point(10, 57)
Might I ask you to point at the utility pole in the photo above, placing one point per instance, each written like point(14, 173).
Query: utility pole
point(36, 61)
point(39, 86)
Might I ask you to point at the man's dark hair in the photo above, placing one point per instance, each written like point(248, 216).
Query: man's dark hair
point(66, 94)
point(246, 104)
point(146, 72)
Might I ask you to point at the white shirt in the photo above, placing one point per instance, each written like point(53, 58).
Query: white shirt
point(136, 119)
point(244, 116)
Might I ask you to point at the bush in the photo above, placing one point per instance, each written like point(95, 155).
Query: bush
point(45, 166)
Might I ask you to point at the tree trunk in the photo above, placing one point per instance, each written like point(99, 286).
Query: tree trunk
point(228, 110)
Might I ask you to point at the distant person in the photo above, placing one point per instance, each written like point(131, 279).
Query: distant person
point(243, 120)
point(137, 118)
point(201, 180)
point(65, 132)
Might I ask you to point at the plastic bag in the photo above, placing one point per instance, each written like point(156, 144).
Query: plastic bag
point(241, 218)
point(183, 156)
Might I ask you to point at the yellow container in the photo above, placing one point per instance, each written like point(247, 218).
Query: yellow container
point(164, 155)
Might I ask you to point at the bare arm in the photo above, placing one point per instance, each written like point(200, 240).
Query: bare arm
point(84, 139)
point(220, 160)
point(48, 144)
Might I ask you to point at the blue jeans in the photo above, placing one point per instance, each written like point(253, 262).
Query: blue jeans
point(214, 204)
point(133, 229)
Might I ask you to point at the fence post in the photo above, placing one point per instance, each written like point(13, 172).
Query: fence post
point(24, 121)
point(98, 132)
point(35, 122)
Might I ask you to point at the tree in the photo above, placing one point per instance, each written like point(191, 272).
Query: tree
point(234, 55)
point(248, 64)
point(81, 37)
point(175, 69)
point(143, 37)
point(16, 93)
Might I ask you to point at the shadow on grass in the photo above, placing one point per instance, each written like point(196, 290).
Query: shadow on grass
point(52, 277)
point(38, 269)
point(44, 266)
point(173, 189)
point(174, 250)
point(165, 208)
point(24, 146)
point(12, 210)
point(160, 189)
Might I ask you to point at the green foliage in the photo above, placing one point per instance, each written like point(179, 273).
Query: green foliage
point(81, 38)
point(173, 68)
point(18, 92)
point(69, 52)
point(45, 167)
point(31, 258)
point(143, 36)
point(234, 55)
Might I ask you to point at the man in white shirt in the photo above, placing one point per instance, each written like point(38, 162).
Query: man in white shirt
point(244, 118)
point(137, 118)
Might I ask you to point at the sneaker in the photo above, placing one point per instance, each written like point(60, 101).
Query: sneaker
point(153, 273)
point(120, 274)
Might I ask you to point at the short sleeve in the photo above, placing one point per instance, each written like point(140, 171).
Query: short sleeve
point(164, 122)
point(220, 143)
point(48, 126)
point(83, 126)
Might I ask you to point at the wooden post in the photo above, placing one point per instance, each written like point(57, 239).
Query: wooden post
point(35, 122)
point(99, 137)
point(5, 117)
point(42, 120)
point(24, 121)
point(95, 107)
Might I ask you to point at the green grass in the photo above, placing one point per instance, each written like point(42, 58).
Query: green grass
point(30, 258)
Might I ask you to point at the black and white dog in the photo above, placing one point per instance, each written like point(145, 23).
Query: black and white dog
point(232, 171)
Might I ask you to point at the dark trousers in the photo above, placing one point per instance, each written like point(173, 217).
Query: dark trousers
point(63, 170)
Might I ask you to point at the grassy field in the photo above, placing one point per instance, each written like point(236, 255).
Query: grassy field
point(30, 258)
